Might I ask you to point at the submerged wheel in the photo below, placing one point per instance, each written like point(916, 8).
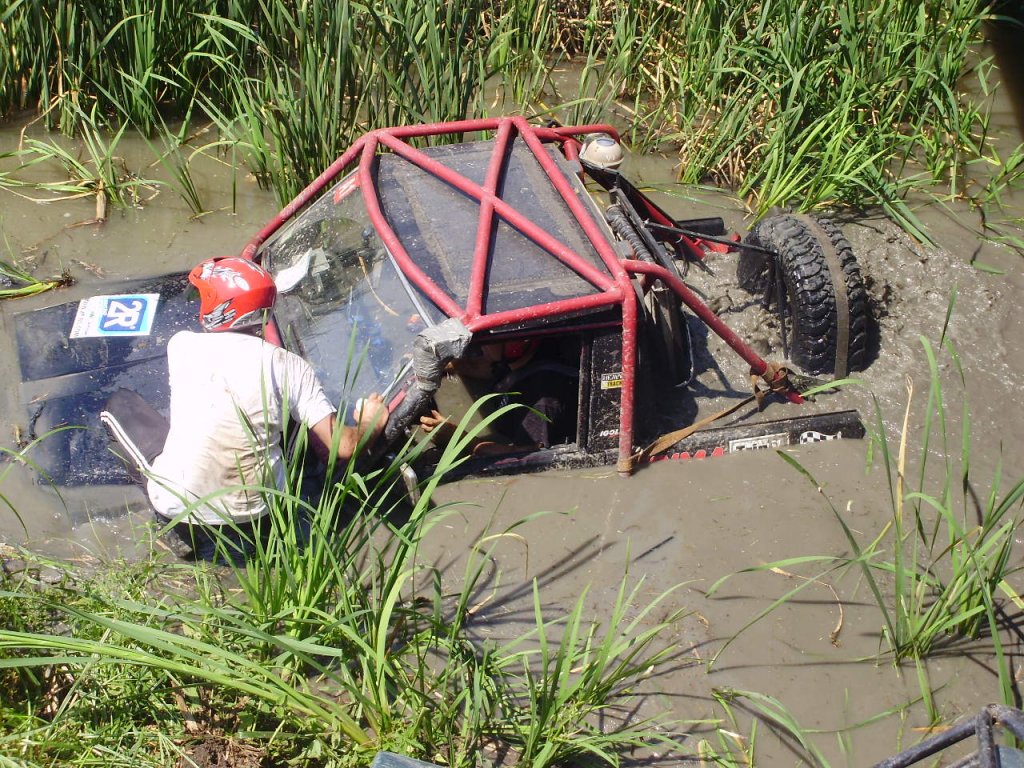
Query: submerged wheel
point(671, 336)
point(828, 329)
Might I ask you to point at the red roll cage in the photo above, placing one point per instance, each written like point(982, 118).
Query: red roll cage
point(612, 289)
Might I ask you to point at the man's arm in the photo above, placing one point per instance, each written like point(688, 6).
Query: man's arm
point(441, 430)
point(370, 415)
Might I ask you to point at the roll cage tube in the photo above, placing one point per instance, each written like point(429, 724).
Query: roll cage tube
point(612, 288)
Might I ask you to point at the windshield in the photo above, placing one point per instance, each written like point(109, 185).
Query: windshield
point(342, 303)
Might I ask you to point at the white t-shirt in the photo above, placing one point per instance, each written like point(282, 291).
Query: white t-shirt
point(229, 394)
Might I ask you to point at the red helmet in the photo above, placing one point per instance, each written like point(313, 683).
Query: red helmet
point(233, 293)
point(516, 350)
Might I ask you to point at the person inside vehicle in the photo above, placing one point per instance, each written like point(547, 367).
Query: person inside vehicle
point(232, 394)
point(524, 373)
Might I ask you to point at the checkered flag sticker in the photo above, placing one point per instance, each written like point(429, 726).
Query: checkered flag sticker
point(810, 436)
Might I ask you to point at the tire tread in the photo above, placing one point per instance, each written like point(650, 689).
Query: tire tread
point(809, 287)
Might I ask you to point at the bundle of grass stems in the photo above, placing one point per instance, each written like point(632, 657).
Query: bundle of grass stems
point(16, 282)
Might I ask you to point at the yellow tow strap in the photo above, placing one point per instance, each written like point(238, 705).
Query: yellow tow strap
point(776, 376)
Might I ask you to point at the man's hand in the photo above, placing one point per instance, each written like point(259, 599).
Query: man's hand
point(438, 427)
point(370, 415)
point(441, 431)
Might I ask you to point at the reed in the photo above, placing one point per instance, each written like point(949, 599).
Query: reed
point(91, 170)
point(292, 104)
point(940, 570)
point(429, 62)
point(565, 686)
point(15, 282)
point(170, 154)
point(951, 545)
point(850, 103)
point(792, 103)
point(525, 48)
point(741, 717)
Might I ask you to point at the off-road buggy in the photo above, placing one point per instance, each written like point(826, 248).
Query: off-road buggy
point(408, 253)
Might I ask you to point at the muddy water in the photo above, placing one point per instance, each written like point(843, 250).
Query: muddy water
point(695, 522)
point(675, 523)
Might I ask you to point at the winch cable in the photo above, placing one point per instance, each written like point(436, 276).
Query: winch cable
point(649, 227)
point(773, 277)
point(835, 269)
point(693, 235)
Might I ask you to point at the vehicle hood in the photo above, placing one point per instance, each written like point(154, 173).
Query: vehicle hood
point(73, 356)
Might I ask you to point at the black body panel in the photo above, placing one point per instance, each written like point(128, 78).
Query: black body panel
point(66, 381)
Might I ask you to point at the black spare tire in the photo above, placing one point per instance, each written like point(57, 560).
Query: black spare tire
point(828, 315)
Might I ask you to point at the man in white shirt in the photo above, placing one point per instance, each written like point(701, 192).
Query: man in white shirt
point(232, 394)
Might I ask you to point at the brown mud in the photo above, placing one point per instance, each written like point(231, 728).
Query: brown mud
point(678, 525)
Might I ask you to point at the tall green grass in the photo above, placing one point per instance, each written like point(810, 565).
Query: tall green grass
point(429, 61)
point(287, 87)
point(320, 649)
point(850, 102)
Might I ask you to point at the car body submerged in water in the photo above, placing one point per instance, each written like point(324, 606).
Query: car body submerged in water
point(409, 253)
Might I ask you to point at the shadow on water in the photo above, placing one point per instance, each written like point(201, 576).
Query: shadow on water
point(1004, 34)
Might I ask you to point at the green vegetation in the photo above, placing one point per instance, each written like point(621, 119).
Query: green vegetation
point(101, 174)
point(336, 640)
point(850, 102)
point(16, 282)
point(940, 570)
point(325, 647)
point(951, 548)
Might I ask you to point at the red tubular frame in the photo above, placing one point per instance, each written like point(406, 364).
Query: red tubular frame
point(758, 366)
point(611, 288)
point(488, 199)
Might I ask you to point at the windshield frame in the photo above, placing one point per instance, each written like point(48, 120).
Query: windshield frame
point(321, 284)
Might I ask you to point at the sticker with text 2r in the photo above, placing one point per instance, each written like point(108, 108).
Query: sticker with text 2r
point(129, 314)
